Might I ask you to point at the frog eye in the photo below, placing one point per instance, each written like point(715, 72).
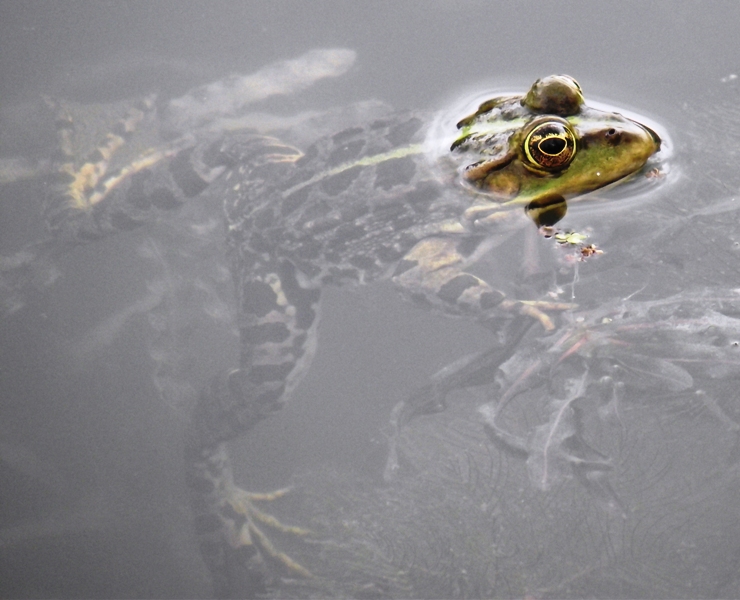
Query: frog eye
point(550, 146)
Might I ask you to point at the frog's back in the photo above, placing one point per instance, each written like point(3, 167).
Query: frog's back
point(349, 207)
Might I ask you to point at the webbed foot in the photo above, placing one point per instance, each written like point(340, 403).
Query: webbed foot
point(242, 558)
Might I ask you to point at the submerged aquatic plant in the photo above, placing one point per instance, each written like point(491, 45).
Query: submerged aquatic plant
point(613, 472)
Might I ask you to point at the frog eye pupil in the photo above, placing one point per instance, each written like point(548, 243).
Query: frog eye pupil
point(550, 146)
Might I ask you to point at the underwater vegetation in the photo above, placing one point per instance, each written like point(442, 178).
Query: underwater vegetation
point(602, 462)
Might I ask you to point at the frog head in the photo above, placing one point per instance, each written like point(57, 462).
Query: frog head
point(547, 146)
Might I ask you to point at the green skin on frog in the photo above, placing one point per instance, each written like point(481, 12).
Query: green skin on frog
point(364, 204)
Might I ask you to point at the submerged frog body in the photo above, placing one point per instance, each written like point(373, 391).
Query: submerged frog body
point(374, 201)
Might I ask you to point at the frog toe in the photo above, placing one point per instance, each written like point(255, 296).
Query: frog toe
point(239, 551)
point(537, 310)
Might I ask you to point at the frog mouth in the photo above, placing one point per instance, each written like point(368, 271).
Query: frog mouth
point(656, 138)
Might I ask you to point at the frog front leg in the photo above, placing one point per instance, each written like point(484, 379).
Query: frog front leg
point(433, 273)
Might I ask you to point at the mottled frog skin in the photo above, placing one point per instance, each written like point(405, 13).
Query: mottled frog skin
point(367, 203)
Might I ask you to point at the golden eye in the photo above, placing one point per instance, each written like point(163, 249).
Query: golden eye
point(550, 146)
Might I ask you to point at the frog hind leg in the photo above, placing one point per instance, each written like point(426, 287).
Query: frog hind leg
point(278, 319)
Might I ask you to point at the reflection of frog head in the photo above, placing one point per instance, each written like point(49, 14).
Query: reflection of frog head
point(542, 148)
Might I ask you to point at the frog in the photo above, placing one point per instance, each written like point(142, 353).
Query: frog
point(378, 200)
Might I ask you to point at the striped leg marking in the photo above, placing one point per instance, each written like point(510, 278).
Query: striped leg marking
point(278, 323)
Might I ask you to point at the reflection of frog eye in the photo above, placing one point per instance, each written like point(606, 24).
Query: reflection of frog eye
point(550, 146)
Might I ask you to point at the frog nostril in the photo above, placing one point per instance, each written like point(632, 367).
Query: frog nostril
point(613, 136)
